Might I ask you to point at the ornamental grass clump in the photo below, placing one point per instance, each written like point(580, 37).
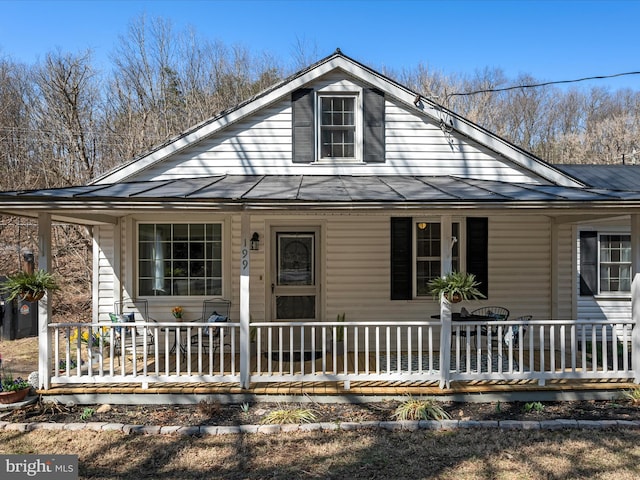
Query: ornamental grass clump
point(420, 409)
point(284, 416)
point(632, 395)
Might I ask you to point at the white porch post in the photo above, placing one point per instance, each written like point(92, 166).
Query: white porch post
point(445, 307)
point(245, 346)
point(44, 305)
point(635, 294)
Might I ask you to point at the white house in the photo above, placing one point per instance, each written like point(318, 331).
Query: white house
point(339, 191)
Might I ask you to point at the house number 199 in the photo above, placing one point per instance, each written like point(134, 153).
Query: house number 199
point(244, 255)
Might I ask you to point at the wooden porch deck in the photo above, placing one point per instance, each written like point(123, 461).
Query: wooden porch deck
point(527, 389)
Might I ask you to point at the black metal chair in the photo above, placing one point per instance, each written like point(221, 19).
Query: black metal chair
point(493, 313)
point(213, 311)
point(132, 311)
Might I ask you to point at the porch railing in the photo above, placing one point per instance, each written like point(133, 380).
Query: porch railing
point(144, 352)
point(403, 351)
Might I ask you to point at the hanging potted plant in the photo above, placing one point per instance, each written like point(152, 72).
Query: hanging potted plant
point(30, 287)
point(455, 287)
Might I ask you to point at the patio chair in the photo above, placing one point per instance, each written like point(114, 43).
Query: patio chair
point(132, 311)
point(495, 313)
point(512, 335)
point(213, 311)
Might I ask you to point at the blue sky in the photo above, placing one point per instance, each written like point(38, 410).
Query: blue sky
point(550, 40)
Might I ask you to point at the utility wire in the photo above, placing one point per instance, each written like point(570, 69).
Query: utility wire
point(544, 84)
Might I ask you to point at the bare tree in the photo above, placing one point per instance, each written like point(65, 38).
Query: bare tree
point(64, 111)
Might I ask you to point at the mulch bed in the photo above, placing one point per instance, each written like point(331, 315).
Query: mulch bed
point(213, 413)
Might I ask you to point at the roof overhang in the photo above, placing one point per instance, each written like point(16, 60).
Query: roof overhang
point(100, 204)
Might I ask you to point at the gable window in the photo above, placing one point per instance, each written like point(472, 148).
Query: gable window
point(179, 259)
point(615, 263)
point(428, 260)
point(338, 123)
point(337, 127)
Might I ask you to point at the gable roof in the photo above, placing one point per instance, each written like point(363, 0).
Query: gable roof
point(339, 61)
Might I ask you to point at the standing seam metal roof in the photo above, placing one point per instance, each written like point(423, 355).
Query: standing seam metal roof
point(336, 188)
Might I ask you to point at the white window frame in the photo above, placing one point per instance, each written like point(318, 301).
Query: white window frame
point(358, 131)
point(460, 242)
point(207, 294)
point(602, 292)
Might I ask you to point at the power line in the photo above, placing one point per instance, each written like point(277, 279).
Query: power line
point(543, 84)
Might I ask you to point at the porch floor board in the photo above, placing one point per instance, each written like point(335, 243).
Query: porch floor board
point(337, 388)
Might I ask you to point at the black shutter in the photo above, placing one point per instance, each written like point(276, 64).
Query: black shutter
point(373, 129)
point(588, 263)
point(302, 101)
point(401, 255)
point(478, 251)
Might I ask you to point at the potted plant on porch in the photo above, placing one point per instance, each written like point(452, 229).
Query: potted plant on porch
point(30, 287)
point(455, 287)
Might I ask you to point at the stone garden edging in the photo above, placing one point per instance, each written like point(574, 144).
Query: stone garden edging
point(560, 424)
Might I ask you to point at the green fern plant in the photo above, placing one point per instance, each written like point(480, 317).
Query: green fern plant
point(29, 286)
point(420, 409)
point(455, 287)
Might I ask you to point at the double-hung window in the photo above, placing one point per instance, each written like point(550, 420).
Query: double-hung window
point(615, 263)
point(179, 259)
point(428, 254)
point(337, 124)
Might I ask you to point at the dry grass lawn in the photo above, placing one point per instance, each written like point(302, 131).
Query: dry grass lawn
point(20, 357)
point(375, 454)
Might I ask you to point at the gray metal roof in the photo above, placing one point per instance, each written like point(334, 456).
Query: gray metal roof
point(612, 177)
point(337, 188)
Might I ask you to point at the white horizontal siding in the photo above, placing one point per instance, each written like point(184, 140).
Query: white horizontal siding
point(358, 272)
point(262, 145)
point(105, 275)
point(355, 269)
point(566, 273)
point(520, 265)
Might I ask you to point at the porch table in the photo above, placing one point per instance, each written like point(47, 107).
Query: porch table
point(457, 317)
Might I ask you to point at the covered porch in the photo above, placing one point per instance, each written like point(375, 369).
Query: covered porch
point(531, 254)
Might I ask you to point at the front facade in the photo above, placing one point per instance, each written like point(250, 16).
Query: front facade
point(337, 195)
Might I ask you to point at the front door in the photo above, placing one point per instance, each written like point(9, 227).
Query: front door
point(295, 285)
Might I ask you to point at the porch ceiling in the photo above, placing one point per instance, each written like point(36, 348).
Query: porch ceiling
point(284, 191)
